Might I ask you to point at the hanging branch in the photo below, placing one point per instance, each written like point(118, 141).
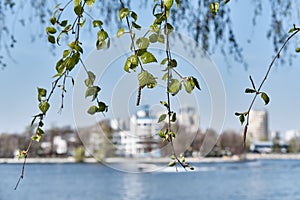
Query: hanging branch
point(258, 91)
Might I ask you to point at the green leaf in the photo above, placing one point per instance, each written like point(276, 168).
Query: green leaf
point(164, 61)
point(64, 23)
point(102, 35)
point(162, 118)
point(214, 7)
point(51, 39)
point(66, 53)
point(92, 110)
point(39, 131)
point(292, 30)
point(172, 163)
point(134, 16)
point(72, 61)
point(242, 119)
point(142, 43)
point(44, 106)
point(50, 30)
point(161, 134)
point(90, 3)
point(36, 138)
point(265, 97)
point(148, 57)
point(190, 83)
point(226, 1)
point(146, 79)
point(101, 45)
point(168, 3)
point(165, 76)
point(97, 23)
point(120, 32)
point(173, 157)
point(92, 91)
point(153, 38)
point(173, 117)
point(177, 3)
point(161, 38)
point(238, 114)
point(41, 93)
point(53, 20)
point(154, 28)
point(174, 87)
point(135, 25)
point(173, 63)
point(90, 80)
point(297, 50)
point(102, 107)
point(164, 104)
point(124, 12)
point(78, 10)
point(249, 90)
point(131, 63)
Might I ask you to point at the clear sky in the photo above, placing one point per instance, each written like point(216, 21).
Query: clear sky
point(34, 67)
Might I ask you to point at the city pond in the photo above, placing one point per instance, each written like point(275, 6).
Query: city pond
point(259, 179)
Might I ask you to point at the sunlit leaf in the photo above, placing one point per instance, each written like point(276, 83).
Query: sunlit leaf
point(120, 32)
point(44, 106)
point(174, 87)
point(214, 7)
point(124, 12)
point(148, 57)
point(146, 79)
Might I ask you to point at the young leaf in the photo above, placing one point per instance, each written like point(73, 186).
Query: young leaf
point(172, 163)
point(51, 39)
point(164, 104)
point(124, 12)
point(265, 97)
point(190, 83)
point(142, 43)
point(162, 118)
point(153, 38)
point(134, 16)
point(146, 79)
point(50, 30)
point(168, 3)
point(90, 3)
point(120, 32)
point(174, 87)
point(148, 57)
point(249, 90)
point(102, 107)
point(214, 7)
point(92, 110)
point(44, 106)
point(41, 93)
point(242, 119)
point(173, 117)
point(97, 23)
point(135, 25)
point(92, 91)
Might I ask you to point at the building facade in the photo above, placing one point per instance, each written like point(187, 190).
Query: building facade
point(258, 125)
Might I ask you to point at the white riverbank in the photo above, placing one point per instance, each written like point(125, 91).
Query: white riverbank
point(247, 157)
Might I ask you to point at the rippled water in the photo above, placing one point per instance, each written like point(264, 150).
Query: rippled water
point(263, 179)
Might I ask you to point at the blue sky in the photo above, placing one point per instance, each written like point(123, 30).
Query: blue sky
point(34, 68)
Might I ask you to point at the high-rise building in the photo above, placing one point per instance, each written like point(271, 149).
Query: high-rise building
point(258, 125)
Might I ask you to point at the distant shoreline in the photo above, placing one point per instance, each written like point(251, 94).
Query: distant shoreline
point(246, 157)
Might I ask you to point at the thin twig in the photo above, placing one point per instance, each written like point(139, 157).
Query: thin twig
point(264, 80)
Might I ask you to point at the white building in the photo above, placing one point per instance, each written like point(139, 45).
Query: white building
point(60, 145)
point(141, 139)
point(258, 126)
